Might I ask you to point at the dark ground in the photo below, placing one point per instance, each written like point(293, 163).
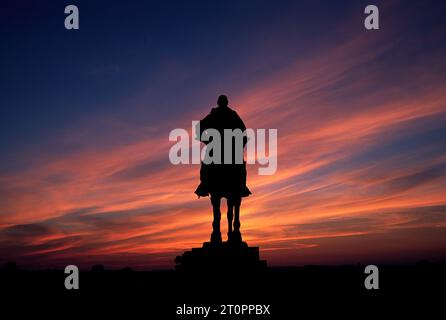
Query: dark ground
point(291, 292)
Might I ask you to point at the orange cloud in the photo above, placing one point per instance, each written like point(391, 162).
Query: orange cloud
point(360, 159)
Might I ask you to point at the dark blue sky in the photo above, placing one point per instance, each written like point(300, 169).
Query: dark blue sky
point(180, 54)
point(85, 117)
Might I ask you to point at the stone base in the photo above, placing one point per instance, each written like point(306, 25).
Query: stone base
point(226, 257)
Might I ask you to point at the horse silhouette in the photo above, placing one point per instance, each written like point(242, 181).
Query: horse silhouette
point(223, 180)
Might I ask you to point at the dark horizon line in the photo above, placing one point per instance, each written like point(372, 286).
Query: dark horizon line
point(12, 266)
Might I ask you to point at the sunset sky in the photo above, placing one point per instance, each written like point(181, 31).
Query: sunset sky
point(86, 114)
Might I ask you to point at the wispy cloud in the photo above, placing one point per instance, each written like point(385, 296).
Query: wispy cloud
point(361, 159)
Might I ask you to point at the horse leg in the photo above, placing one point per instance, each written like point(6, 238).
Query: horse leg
point(230, 216)
point(237, 204)
point(216, 235)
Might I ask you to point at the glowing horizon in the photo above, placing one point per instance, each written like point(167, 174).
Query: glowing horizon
point(361, 158)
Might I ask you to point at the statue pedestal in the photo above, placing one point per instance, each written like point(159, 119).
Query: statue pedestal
point(226, 256)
